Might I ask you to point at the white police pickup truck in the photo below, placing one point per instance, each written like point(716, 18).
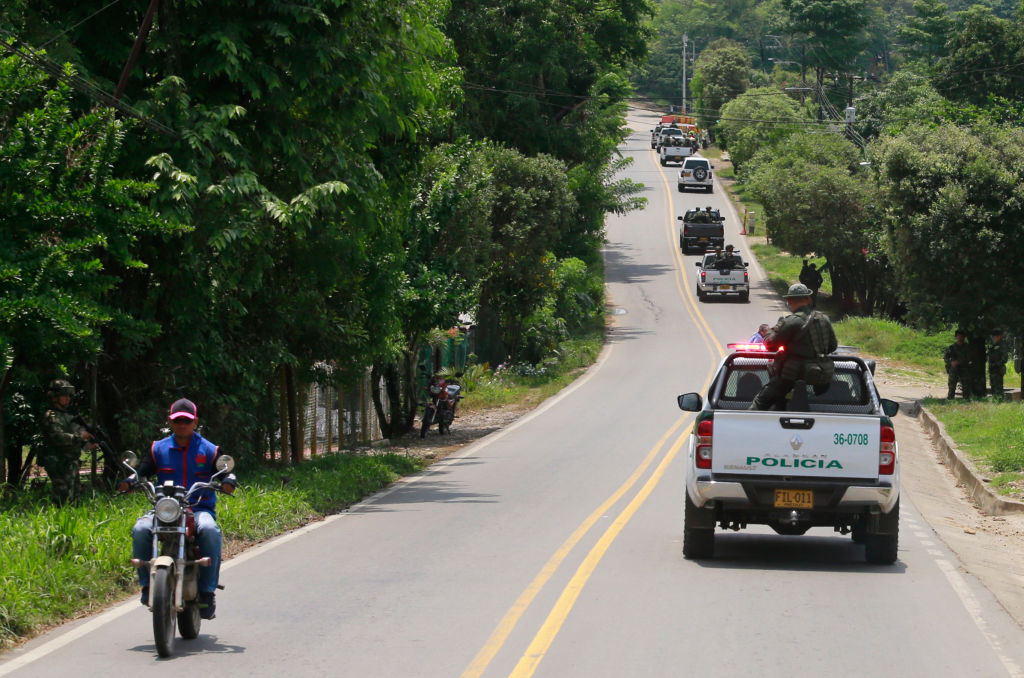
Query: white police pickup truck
point(827, 460)
point(722, 278)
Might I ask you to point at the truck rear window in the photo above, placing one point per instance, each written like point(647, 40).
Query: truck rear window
point(743, 378)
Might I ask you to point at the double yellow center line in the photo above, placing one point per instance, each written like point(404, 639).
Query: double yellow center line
point(544, 637)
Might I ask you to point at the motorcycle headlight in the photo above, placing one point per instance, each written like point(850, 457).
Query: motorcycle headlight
point(167, 510)
point(435, 389)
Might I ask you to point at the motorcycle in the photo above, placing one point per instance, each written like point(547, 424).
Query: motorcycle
point(443, 396)
point(174, 565)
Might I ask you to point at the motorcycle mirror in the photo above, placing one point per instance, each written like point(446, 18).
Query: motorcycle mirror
point(130, 458)
point(225, 463)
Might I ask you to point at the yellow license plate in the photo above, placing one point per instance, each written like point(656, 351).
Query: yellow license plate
point(725, 287)
point(794, 499)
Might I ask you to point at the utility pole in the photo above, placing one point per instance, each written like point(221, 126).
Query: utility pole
point(684, 73)
point(140, 39)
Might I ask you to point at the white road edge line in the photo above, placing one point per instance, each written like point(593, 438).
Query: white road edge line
point(973, 607)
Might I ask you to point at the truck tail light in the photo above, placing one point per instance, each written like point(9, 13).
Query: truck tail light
point(703, 452)
point(703, 277)
point(746, 276)
point(887, 451)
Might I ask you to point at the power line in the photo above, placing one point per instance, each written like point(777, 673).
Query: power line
point(30, 56)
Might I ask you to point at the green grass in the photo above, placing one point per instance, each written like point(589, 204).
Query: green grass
point(783, 269)
point(989, 432)
point(891, 340)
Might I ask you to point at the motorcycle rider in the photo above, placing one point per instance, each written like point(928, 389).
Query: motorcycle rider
point(184, 457)
point(437, 387)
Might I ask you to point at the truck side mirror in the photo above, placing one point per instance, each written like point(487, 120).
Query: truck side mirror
point(690, 402)
point(889, 407)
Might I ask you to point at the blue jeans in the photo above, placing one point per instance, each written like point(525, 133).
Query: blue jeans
point(207, 537)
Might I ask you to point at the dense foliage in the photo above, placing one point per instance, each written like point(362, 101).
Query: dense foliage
point(322, 181)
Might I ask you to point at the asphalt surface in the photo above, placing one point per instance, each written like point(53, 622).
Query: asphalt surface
point(553, 548)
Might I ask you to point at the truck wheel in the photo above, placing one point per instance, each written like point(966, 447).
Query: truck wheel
point(681, 188)
point(880, 549)
point(698, 542)
point(745, 296)
point(662, 161)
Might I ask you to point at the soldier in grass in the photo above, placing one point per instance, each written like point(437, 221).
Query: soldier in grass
point(997, 363)
point(63, 439)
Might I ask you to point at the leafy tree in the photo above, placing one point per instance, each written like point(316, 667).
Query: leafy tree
point(927, 32)
point(70, 221)
point(953, 206)
point(722, 74)
point(984, 55)
point(532, 207)
point(817, 201)
point(759, 118)
point(905, 100)
point(447, 254)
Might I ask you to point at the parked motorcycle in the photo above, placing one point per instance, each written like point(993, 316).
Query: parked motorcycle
point(175, 562)
point(442, 397)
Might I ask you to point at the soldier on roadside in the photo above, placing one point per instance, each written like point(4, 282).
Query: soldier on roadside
point(958, 366)
point(63, 439)
point(997, 356)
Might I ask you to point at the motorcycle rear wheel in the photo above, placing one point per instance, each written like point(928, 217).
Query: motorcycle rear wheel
point(428, 419)
point(189, 620)
point(161, 593)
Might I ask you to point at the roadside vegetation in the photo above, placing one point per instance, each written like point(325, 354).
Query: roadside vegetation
point(57, 563)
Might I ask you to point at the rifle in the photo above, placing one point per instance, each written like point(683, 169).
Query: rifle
point(100, 437)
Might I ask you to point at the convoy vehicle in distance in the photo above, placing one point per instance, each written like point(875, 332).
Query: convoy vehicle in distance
point(654, 135)
point(722, 277)
point(669, 133)
point(701, 229)
point(696, 173)
point(676, 149)
point(828, 458)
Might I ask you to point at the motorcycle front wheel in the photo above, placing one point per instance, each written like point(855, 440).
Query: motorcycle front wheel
point(161, 594)
point(189, 620)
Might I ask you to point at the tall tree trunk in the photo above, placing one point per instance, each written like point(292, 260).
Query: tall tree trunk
point(12, 456)
point(293, 415)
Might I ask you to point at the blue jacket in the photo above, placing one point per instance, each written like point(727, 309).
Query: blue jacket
point(184, 466)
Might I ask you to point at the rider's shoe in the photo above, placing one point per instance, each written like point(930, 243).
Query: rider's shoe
point(207, 604)
point(144, 598)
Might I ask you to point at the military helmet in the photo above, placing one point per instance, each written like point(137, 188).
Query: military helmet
point(797, 290)
point(60, 387)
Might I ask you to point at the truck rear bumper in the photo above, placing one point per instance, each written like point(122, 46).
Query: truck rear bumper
point(734, 494)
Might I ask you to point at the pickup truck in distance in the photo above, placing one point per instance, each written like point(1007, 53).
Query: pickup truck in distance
point(828, 459)
point(675, 149)
point(701, 229)
point(722, 278)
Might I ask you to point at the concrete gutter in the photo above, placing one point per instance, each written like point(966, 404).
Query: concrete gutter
point(965, 470)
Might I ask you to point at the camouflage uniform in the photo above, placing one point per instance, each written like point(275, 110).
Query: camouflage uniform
point(62, 452)
point(960, 372)
point(788, 332)
point(997, 356)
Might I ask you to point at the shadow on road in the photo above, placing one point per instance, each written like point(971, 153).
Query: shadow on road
point(805, 553)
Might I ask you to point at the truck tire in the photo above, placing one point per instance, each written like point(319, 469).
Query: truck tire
point(662, 161)
point(698, 542)
point(745, 296)
point(880, 548)
point(711, 189)
point(700, 174)
point(682, 189)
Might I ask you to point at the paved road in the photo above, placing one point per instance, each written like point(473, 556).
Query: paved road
point(553, 548)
